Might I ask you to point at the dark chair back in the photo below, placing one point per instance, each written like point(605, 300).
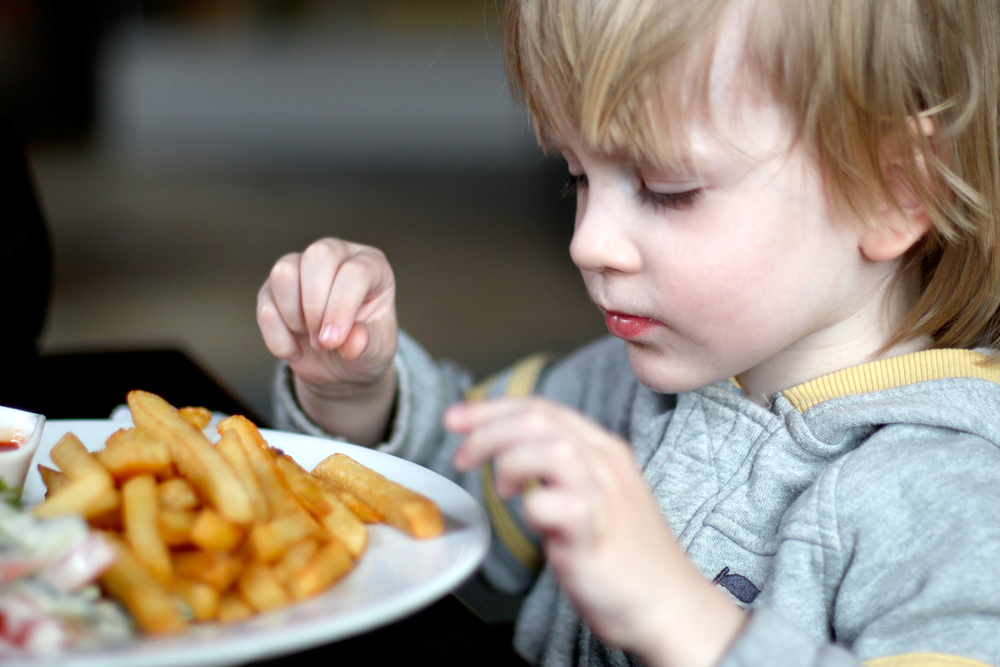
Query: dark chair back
point(25, 255)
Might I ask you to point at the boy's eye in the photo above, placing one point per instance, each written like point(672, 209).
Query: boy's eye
point(672, 200)
point(574, 184)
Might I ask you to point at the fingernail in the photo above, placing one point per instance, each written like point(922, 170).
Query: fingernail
point(328, 334)
point(295, 357)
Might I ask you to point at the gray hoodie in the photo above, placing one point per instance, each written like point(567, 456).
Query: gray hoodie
point(857, 518)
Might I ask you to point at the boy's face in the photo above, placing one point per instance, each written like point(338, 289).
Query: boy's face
point(736, 265)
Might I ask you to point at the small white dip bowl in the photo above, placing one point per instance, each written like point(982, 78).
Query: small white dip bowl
point(25, 429)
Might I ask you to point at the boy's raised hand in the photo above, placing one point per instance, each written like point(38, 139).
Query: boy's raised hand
point(605, 537)
point(330, 312)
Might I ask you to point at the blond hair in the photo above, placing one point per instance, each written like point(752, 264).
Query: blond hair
point(854, 76)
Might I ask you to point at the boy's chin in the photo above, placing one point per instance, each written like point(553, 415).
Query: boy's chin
point(670, 374)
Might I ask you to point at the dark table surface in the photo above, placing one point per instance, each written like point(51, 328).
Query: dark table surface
point(89, 385)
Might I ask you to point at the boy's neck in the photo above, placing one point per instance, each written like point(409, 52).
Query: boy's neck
point(857, 340)
point(761, 383)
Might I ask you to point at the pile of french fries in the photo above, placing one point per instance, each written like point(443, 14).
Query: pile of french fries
point(220, 532)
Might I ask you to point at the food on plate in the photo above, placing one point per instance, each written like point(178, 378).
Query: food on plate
point(405, 509)
point(219, 532)
point(48, 601)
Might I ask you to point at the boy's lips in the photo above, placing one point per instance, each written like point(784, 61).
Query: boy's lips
point(628, 327)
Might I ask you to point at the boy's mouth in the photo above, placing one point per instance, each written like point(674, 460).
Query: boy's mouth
point(628, 327)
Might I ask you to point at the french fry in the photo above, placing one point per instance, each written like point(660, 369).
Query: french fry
point(177, 494)
point(175, 526)
point(149, 602)
point(74, 459)
point(405, 509)
point(233, 609)
point(361, 509)
point(229, 446)
point(213, 533)
point(130, 452)
point(193, 454)
point(328, 565)
point(215, 568)
point(197, 416)
point(105, 512)
point(142, 531)
point(280, 499)
point(52, 479)
point(260, 587)
point(296, 557)
point(80, 496)
point(269, 540)
point(200, 597)
point(88, 487)
point(329, 510)
point(303, 485)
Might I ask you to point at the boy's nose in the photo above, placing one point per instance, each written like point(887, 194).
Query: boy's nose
point(601, 241)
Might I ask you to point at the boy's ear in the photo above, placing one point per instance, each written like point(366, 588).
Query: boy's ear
point(895, 230)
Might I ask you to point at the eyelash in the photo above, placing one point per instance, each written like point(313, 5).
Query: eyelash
point(677, 201)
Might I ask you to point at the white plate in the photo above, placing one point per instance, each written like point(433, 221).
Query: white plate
point(395, 577)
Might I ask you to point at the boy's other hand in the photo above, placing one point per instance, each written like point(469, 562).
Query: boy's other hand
point(605, 537)
point(330, 312)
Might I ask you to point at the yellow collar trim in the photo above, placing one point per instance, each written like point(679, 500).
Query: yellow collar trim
point(924, 660)
point(893, 372)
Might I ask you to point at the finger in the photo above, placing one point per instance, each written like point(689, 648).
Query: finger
point(364, 285)
point(557, 513)
point(284, 287)
point(356, 343)
point(279, 340)
point(511, 424)
point(318, 269)
point(557, 462)
point(466, 416)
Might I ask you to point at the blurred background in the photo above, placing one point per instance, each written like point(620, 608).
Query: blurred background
point(181, 146)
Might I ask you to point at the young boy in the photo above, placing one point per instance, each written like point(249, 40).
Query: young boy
point(787, 211)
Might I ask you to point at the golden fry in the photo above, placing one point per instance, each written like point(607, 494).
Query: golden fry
point(260, 587)
point(131, 452)
point(142, 531)
point(360, 508)
point(339, 521)
point(405, 509)
point(194, 455)
point(87, 496)
point(52, 479)
point(229, 446)
point(200, 597)
point(175, 526)
point(296, 557)
point(233, 608)
point(197, 416)
point(217, 569)
point(213, 533)
point(177, 494)
point(280, 499)
point(87, 492)
point(269, 540)
point(328, 565)
point(149, 602)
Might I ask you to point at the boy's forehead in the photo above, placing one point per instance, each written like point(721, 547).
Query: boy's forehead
point(707, 102)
